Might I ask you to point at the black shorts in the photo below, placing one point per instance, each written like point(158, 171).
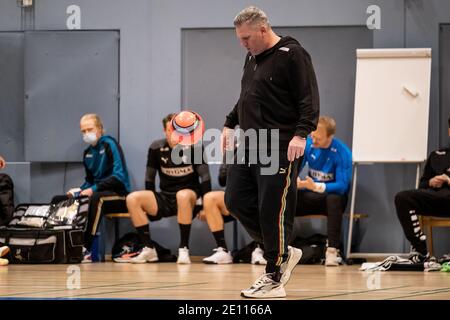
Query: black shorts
point(228, 218)
point(167, 205)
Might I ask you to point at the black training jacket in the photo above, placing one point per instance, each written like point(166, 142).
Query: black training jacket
point(278, 91)
point(438, 163)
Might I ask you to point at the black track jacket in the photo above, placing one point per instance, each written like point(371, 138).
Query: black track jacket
point(278, 91)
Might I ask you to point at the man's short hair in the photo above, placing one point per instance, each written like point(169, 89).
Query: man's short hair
point(251, 15)
point(97, 120)
point(167, 119)
point(329, 123)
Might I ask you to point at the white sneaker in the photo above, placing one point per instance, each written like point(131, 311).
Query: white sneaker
point(331, 257)
point(145, 255)
point(4, 262)
point(183, 256)
point(265, 287)
point(4, 251)
point(258, 256)
point(294, 256)
point(221, 256)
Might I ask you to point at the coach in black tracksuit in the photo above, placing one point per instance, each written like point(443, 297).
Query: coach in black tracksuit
point(431, 199)
point(278, 91)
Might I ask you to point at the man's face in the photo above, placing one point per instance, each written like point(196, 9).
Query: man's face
point(252, 37)
point(171, 141)
point(88, 126)
point(320, 137)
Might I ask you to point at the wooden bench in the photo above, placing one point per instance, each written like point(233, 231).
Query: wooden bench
point(427, 223)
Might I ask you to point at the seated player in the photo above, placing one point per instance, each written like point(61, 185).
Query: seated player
point(325, 189)
point(6, 195)
point(106, 175)
point(431, 199)
point(181, 185)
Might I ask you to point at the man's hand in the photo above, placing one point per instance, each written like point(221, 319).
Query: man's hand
point(87, 192)
point(296, 148)
point(438, 181)
point(227, 140)
point(201, 216)
point(2, 162)
point(73, 191)
point(308, 183)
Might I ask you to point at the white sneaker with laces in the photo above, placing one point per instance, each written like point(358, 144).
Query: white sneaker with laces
point(265, 287)
point(4, 251)
point(331, 257)
point(258, 256)
point(294, 256)
point(221, 256)
point(183, 256)
point(145, 255)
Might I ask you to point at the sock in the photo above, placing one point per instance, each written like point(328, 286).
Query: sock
point(185, 230)
point(220, 239)
point(272, 268)
point(144, 236)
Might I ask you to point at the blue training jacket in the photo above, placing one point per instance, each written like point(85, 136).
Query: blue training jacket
point(105, 167)
point(332, 166)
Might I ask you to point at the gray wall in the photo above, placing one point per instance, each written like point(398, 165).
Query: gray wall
point(151, 86)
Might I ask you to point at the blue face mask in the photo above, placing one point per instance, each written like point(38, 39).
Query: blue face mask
point(90, 138)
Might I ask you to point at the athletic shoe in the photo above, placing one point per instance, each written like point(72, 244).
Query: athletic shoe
point(258, 256)
point(87, 257)
point(4, 262)
point(221, 256)
point(331, 257)
point(4, 251)
point(417, 257)
point(183, 256)
point(266, 286)
point(145, 255)
point(294, 256)
point(125, 257)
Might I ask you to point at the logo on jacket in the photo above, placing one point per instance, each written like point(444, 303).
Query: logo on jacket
point(164, 160)
point(178, 172)
point(321, 176)
point(282, 171)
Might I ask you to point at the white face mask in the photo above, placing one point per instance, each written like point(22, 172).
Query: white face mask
point(90, 138)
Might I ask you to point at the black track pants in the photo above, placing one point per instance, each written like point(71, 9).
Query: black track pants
point(426, 202)
point(265, 205)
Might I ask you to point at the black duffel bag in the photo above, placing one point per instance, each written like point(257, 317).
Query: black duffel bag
point(43, 246)
point(46, 233)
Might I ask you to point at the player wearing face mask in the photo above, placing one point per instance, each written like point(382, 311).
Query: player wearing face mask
point(106, 175)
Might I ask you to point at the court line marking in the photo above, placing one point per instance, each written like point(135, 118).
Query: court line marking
point(355, 292)
point(65, 289)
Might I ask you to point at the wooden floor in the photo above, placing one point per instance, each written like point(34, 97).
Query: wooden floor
point(199, 281)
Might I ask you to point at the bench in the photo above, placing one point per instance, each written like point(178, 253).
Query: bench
point(427, 223)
